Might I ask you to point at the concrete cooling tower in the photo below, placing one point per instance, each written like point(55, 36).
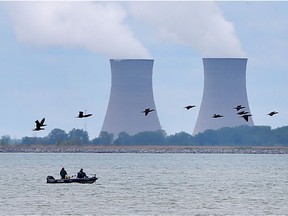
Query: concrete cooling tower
point(224, 89)
point(131, 93)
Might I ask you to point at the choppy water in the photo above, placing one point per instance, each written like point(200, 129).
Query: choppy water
point(145, 184)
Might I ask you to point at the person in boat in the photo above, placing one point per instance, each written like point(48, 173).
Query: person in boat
point(63, 173)
point(81, 174)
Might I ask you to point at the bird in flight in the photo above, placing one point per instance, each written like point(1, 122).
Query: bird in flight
point(239, 107)
point(82, 115)
point(40, 125)
point(217, 116)
point(242, 112)
point(246, 117)
point(147, 111)
point(272, 113)
point(189, 107)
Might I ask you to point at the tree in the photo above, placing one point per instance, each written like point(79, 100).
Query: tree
point(78, 137)
point(149, 138)
point(208, 137)
point(228, 136)
point(237, 136)
point(105, 138)
point(32, 140)
point(123, 139)
point(280, 136)
point(181, 138)
point(57, 136)
point(5, 140)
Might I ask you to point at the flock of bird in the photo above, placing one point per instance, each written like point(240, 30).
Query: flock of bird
point(40, 125)
point(240, 111)
point(239, 108)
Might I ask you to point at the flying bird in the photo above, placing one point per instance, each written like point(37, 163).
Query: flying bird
point(272, 113)
point(246, 117)
point(38, 128)
point(39, 125)
point(239, 107)
point(242, 112)
point(189, 107)
point(147, 111)
point(217, 116)
point(82, 115)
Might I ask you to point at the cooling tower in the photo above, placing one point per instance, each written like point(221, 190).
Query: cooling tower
point(131, 93)
point(224, 89)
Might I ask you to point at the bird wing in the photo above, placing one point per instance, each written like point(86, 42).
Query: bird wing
point(217, 116)
point(42, 121)
point(245, 117)
point(87, 115)
point(38, 127)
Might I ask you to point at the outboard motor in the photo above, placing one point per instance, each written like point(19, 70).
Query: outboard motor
point(50, 178)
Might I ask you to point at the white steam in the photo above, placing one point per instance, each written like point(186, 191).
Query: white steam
point(101, 27)
point(95, 26)
point(200, 25)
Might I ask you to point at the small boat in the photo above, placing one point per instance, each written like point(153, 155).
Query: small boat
point(88, 180)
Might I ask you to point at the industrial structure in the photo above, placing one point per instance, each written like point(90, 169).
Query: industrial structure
point(224, 90)
point(131, 93)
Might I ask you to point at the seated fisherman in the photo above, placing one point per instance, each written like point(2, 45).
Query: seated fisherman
point(63, 173)
point(81, 174)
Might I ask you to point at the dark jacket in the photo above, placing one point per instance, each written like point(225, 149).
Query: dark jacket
point(81, 174)
point(63, 173)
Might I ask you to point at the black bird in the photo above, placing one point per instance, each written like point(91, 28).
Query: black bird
point(38, 128)
point(239, 107)
point(148, 110)
point(246, 116)
point(272, 113)
point(39, 125)
point(82, 115)
point(242, 112)
point(189, 107)
point(217, 116)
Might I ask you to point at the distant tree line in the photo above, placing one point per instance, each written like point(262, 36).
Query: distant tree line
point(60, 137)
point(236, 136)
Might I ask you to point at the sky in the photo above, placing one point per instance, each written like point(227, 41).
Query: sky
point(54, 58)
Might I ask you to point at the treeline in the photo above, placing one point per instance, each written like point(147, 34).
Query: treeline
point(236, 136)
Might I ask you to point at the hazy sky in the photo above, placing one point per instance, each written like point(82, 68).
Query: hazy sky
point(54, 58)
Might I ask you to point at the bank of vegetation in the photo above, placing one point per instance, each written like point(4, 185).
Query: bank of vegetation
point(236, 136)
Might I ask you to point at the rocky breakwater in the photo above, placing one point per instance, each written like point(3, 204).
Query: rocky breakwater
point(143, 149)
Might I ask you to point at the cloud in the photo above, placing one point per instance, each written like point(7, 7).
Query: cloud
point(200, 25)
point(95, 26)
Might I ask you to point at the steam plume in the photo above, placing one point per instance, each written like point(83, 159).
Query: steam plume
point(94, 26)
point(200, 25)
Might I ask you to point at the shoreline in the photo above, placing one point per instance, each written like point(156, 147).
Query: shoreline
point(146, 149)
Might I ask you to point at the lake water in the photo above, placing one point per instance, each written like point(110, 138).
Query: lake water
point(145, 184)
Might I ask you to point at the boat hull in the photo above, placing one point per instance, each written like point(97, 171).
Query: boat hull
point(90, 180)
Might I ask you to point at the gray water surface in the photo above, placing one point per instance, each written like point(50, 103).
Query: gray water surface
point(145, 184)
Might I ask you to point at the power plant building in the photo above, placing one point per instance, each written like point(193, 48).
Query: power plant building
point(131, 93)
point(224, 89)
